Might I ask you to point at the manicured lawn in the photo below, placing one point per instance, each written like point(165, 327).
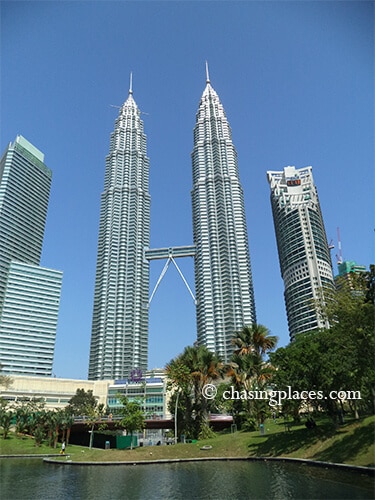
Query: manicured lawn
point(25, 445)
point(351, 443)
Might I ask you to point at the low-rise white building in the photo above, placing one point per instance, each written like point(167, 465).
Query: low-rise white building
point(54, 392)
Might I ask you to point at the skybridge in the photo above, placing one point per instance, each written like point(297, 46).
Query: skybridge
point(165, 253)
point(170, 254)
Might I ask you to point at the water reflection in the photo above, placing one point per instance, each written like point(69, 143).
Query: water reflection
point(27, 479)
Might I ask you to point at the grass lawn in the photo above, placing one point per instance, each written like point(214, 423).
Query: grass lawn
point(351, 443)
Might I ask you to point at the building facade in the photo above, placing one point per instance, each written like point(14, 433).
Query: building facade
point(29, 294)
point(119, 338)
point(223, 280)
point(348, 267)
point(54, 392)
point(25, 183)
point(304, 255)
point(150, 392)
point(29, 319)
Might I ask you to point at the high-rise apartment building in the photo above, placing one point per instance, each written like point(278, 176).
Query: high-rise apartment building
point(304, 256)
point(119, 340)
point(223, 280)
point(29, 294)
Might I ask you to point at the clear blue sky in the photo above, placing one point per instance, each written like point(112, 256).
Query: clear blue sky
point(296, 80)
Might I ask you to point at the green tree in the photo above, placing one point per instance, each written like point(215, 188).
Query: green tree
point(340, 358)
point(132, 416)
point(81, 403)
point(38, 425)
point(52, 427)
point(352, 315)
point(22, 418)
point(181, 401)
point(6, 417)
point(254, 338)
point(301, 367)
point(84, 404)
point(67, 421)
point(189, 373)
point(250, 372)
point(93, 418)
point(370, 285)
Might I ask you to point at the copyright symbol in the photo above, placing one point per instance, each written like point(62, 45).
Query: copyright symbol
point(209, 391)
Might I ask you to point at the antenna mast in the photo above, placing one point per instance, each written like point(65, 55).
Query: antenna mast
point(339, 255)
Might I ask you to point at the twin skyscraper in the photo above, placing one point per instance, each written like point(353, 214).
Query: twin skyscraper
point(223, 282)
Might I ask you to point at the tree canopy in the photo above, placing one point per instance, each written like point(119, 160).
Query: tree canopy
point(132, 416)
point(82, 403)
point(337, 359)
point(188, 373)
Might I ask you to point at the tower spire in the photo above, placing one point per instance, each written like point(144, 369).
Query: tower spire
point(207, 74)
point(131, 83)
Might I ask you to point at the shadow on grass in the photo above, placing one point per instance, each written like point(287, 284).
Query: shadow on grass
point(283, 443)
point(348, 447)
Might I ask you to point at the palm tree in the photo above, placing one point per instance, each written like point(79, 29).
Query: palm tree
point(254, 338)
point(6, 418)
point(22, 417)
point(248, 370)
point(67, 422)
point(189, 373)
point(52, 428)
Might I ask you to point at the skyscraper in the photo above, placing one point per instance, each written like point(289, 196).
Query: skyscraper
point(29, 319)
point(304, 256)
point(223, 280)
point(28, 308)
point(25, 183)
point(119, 340)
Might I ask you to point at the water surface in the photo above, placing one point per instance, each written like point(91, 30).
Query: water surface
point(33, 479)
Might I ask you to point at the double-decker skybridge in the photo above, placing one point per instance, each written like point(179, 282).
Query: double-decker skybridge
point(170, 254)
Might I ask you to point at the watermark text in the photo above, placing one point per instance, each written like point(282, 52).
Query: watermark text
point(276, 397)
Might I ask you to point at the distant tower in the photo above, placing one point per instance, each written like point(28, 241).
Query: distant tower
point(353, 274)
point(223, 281)
point(119, 341)
point(29, 294)
point(304, 254)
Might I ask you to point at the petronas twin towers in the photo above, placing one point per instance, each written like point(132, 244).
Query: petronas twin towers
point(223, 282)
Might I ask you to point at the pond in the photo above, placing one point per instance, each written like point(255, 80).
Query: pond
point(33, 479)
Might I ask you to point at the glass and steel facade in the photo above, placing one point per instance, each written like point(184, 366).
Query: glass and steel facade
point(223, 280)
point(304, 256)
point(119, 339)
point(25, 183)
point(29, 319)
point(150, 393)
